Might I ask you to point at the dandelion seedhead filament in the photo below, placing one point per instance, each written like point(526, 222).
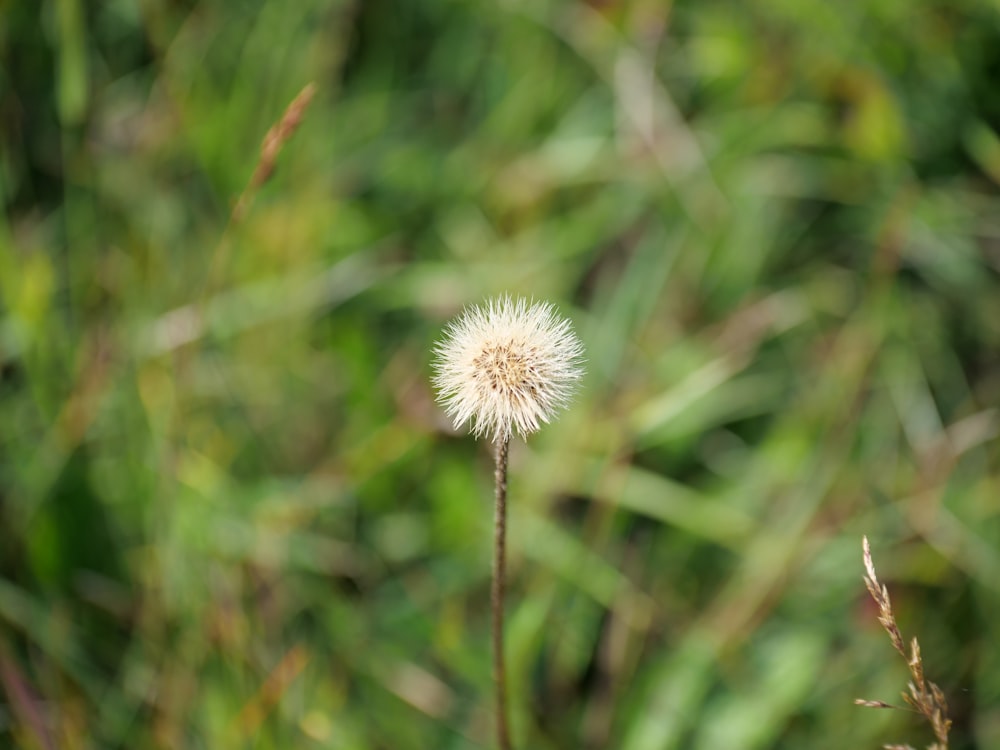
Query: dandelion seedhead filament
point(507, 365)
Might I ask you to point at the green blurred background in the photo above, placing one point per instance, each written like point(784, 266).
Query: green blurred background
point(231, 515)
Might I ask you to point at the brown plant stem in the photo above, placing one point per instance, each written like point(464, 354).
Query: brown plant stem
point(499, 591)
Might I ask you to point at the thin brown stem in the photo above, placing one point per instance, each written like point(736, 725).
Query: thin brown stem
point(499, 591)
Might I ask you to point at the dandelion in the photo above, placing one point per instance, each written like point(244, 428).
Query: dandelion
point(507, 366)
point(503, 367)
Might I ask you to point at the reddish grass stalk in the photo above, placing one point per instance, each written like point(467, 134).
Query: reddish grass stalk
point(498, 593)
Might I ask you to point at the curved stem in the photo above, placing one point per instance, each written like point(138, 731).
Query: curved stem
point(498, 592)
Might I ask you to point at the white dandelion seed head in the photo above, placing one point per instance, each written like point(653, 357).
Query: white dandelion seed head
point(507, 365)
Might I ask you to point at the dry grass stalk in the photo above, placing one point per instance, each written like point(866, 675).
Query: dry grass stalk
point(271, 146)
point(924, 697)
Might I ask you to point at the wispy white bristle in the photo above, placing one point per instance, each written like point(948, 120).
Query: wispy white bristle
point(507, 365)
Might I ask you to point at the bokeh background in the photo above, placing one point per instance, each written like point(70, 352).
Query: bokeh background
point(231, 514)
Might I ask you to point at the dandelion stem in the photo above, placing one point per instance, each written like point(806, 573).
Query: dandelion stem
point(498, 592)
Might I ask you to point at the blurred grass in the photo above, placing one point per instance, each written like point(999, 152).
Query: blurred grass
point(231, 514)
